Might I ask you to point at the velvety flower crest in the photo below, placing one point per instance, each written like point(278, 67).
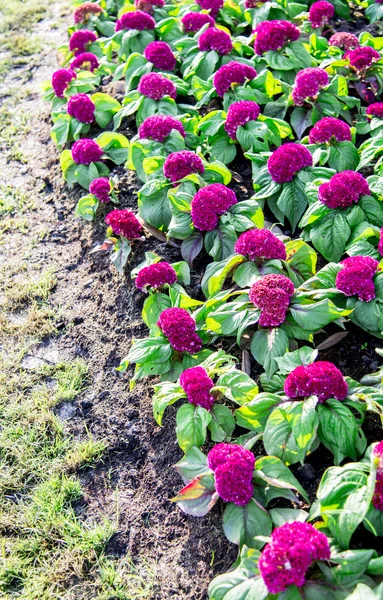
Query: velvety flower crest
point(81, 107)
point(274, 35)
point(197, 385)
point(159, 127)
point(180, 329)
point(137, 19)
point(161, 55)
point(156, 86)
point(83, 13)
point(155, 276)
point(287, 160)
point(100, 188)
point(328, 130)
point(86, 151)
point(86, 61)
point(362, 58)
point(233, 73)
point(80, 39)
point(380, 243)
point(147, 5)
point(60, 81)
point(209, 203)
point(180, 164)
point(260, 245)
point(124, 222)
point(321, 379)
point(212, 5)
point(356, 277)
point(193, 21)
point(308, 84)
point(271, 294)
point(377, 499)
point(344, 40)
point(320, 13)
point(375, 110)
point(240, 113)
point(233, 468)
point(215, 39)
point(343, 189)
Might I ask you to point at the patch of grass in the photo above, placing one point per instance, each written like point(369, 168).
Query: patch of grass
point(13, 201)
point(37, 321)
point(19, 292)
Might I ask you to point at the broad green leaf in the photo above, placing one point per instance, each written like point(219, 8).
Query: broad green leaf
point(254, 414)
point(274, 472)
point(237, 386)
point(198, 496)
point(267, 345)
point(222, 423)
point(192, 422)
point(192, 465)
point(338, 430)
point(242, 523)
point(242, 583)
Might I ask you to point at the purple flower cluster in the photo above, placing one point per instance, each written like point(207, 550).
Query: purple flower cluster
point(161, 55)
point(137, 19)
point(286, 559)
point(180, 164)
point(287, 160)
point(155, 276)
point(271, 294)
point(80, 39)
point(193, 21)
point(159, 127)
point(100, 188)
point(308, 84)
point(197, 385)
point(239, 114)
point(343, 189)
point(377, 499)
point(124, 222)
point(156, 86)
point(320, 13)
point(86, 151)
point(61, 80)
point(274, 35)
point(83, 12)
point(233, 73)
point(180, 329)
point(212, 5)
point(380, 243)
point(215, 39)
point(375, 110)
point(356, 277)
point(344, 40)
point(147, 5)
point(81, 107)
point(209, 203)
point(233, 468)
point(362, 58)
point(321, 379)
point(260, 245)
point(86, 60)
point(329, 130)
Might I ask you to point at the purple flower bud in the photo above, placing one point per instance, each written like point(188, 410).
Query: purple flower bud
point(271, 294)
point(343, 189)
point(233, 468)
point(124, 222)
point(321, 379)
point(86, 151)
point(287, 160)
point(233, 73)
point(86, 61)
point(344, 40)
point(260, 245)
point(215, 39)
point(274, 35)
point(197, 385)
point(81, 107)
point(159, 127)
point(212, 5)
point(356, 277)
point(80, 39)
point(161, 55)
point(320, 13)
point(180, 329)
point(362, 58)
point(180, 164)
point(328, 130)
point(239, 114)
point(194, 21)
point(156, 86)
point(155, 276)
point(209, 203)
point(135, 20)
point(83, 12)
point(308, 84)
point(100, 188)
point(375, 110)
point(60, 81)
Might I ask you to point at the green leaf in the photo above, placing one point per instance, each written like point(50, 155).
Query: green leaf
point(343, 156)
point(363, 591)
point(120, 254)
point(254, 414)
point(301, 261)
point(150, 350)
point(192, 422)
point(217, 272)
point(154, 304)
point(194, 463)
point(222, 423)
point(292, 201)
point(291, 360)
point(312, 316)
point(338, 430)
point(86, 207)
point(165, 394)
point(300, 120)
point(198, 496)
point(192, 246)
point(219, 243)
point(237, 386)
point(242, 523)
point(267, 345)
point(222, 149)
point(280, 516)
point(154, 205)
point(275, 473)
point(330, 235)
point(242, 583)
point(373, 209)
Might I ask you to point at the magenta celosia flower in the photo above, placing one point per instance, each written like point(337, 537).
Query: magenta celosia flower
point(194, 21)
point(155, 276)
point(61, 80)
point(320, 13)
point(380, 243)
point(308, 84)
point(209, 203)
point(86, 61)
point(80, 39)
point(375, 110)
point(147, 5)
point(212, 5)
point(356, 277)
point(274, 35)
point(344, 40)
point(159, 127)
point(100, 188)
point(135, 20)
point(161, 55)
point(321, 379)
point(343, 189)
point(215, 39)
point(124, 222)
point(81, 107)
point(362, 58)
point(156, 86)
point(86, 151)
point(271, 294)
point(239, 114)
point(83, 13)
point(260, 245)
point(329, 130)
point(178, 326)
point(287, 160)
point(286, 559)
point(233, 468)
point(180, 164)
point(233, 73)
point(197, 385)
point(377, 499)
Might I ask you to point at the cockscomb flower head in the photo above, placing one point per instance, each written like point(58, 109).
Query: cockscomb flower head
point(161, 55)
point(329, 130)
point(215, 39)
point(233, 468)
point(124, 222)
point(156, 86)
point(86, 151)
point(233, 73)
point(375, 110)
point(178, 326)
point(343, 189)
point(308, 84)
point(83, 13)
point(377, 499)
point(180, 164)
point(61, 80)
point(197, 385)
point(86, 61)
point(321, 379)
point(344, 40)
point(155, 276)
point(239, 114)
point(356, 277)
point(287, 160)
point(271, 294)
point(147, 5)
point(286, 559)
point(159, 127)
point(80, 39)
point(137, 19)
point(320, 13)
point(260, 245)
point(274, 35)
point(209, 203)
point(193, 21)
point(362, 58)
point(81, 107)
point(100, 188)
point(380, 243)
point(212, 5)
